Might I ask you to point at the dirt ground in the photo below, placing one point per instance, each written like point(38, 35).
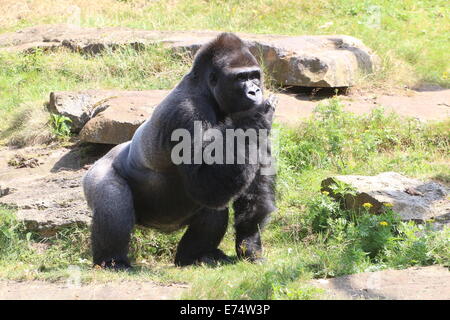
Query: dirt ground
point(421, 283)
point(125, 290)
point(427, 103)
point(59, 170)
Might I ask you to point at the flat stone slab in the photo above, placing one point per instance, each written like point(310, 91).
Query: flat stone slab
point(412, 199)
point(311, 61)
point(418, 283)
point(48, 197)
point(129, 106)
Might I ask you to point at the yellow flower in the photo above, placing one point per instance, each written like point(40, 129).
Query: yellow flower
point(445, 75)
point(388, 205)
point(367, 205)
point(325, 193)
point(384, 223)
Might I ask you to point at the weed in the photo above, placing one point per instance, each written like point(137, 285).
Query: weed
point(60, 125)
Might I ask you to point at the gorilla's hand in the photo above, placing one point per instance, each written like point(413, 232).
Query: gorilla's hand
point(269, 106)
point(271, 102)
point(258, 117)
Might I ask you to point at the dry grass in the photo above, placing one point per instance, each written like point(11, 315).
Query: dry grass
point(27, 126)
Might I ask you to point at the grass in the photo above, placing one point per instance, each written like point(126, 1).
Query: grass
point(309, 237)
point(410, 36)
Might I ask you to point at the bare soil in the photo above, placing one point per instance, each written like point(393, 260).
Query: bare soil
point(124, 290)
point(420, 283)
point(426, 104)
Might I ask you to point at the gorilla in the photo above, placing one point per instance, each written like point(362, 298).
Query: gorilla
point(137, 182)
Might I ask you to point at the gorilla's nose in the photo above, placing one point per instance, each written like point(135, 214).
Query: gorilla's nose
point(253, 92)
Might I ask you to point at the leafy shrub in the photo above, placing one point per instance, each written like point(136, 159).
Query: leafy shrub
point(384, 238)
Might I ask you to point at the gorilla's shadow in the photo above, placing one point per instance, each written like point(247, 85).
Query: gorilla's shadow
point(80, 155)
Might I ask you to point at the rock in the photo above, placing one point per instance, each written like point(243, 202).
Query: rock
point(115, 120)
point(4, 191)
point(48, 204)
point(411, 198)
point(81, 106)
point(76, 106)
point(417, 283)
point(311, 61)
point(49, 197)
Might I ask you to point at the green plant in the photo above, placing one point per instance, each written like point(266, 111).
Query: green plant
point(418, 245)
point(14, 238)
point(60, 125)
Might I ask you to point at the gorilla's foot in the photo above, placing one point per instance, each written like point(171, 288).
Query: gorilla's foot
point(116, 265)
point(212, 257)
point(256, 260)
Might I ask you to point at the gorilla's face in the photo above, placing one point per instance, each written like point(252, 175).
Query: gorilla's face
point(237, 88)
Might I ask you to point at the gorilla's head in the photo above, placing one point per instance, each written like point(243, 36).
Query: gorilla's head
point(232, 74)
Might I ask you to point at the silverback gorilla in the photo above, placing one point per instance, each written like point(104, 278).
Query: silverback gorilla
point(138, 183)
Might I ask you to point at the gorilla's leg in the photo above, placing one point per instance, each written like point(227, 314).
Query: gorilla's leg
point(113, 220)
point(203, 236)
point(251, 211)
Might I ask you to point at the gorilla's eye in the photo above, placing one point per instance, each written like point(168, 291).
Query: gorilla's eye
point(255, 75)
point(241, 76)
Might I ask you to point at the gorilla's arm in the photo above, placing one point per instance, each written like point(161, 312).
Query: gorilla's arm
point(203, 180)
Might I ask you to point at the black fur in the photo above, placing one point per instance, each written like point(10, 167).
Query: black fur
point(136, 182)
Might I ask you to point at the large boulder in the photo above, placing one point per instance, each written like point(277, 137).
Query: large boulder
point(413, 199)
point(106, 116)
point(119, 117)
point(48, 197)
point(311, 61)
point(46, 204)
point(77, 106)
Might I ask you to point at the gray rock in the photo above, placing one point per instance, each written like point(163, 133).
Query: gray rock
point(4, 191)
point(78, 106)
point(115, 120)
point(312, 61)
point(411, 198)
point(82, 106)
point(48, 204)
